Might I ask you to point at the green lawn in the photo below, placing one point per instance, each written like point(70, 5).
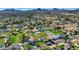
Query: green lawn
point(2, 41)
point(39, 35)
point(28, 47)
point(15, 38)
point(61, 46)
point(56, 32)
point(40, 43)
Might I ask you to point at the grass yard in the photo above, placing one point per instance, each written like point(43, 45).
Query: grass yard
point(15, 38)
point(2, 41)
point(56, 32)
point(39, 35)
point(28, 47)
point(40, 43)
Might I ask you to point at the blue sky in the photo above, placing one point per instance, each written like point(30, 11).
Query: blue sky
point(35, 8)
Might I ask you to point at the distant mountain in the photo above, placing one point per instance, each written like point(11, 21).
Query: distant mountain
point(77, 9)
point(41, 11)
point(11, 10)
point(55, 9)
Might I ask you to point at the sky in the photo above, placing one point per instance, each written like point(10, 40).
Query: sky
point(17, 8)
point(24, 9)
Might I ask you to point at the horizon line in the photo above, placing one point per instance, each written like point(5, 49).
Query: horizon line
point(25, 9)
